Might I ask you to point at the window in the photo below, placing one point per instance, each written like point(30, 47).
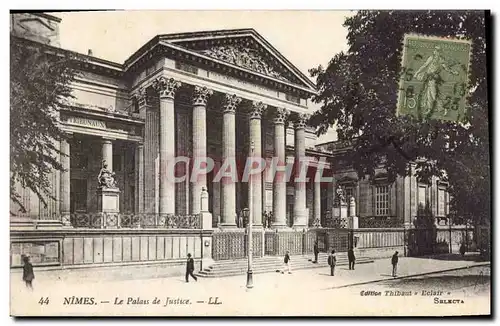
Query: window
point(382, 200)
point(422, 196)
point(441, 202)
point(349, 192)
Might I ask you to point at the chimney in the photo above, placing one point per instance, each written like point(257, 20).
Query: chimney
point(90, 52)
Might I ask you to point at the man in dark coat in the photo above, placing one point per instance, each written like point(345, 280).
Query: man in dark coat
point(351, 257)
point(28, 274)
point(394, 262)
point(332, 261)
point(190, 268)
point(316, 252)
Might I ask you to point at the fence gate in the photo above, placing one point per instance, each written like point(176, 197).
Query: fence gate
point(233, 245)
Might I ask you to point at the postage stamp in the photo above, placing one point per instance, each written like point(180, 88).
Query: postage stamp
point(434, 77)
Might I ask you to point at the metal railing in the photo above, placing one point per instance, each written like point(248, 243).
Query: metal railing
point(377, 222)
point(128, 220)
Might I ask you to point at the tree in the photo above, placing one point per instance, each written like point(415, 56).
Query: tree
point(358, 92)
point(39, 86)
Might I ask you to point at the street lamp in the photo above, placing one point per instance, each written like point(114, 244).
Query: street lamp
point(250, 223)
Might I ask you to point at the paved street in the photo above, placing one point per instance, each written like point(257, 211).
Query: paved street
point(303, 292)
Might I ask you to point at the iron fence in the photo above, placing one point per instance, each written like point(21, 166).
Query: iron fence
point(126, 220)
point(234, 245)
point(377, 222)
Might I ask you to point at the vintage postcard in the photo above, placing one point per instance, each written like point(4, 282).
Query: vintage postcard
point(250, 163)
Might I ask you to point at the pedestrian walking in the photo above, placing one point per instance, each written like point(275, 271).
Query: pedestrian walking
point(316, 252)
point(462, 249)
point(351, 257)
point(394, 262)
point(28, 274)
point(287, 263)
point(332, 261)
point(190, 268)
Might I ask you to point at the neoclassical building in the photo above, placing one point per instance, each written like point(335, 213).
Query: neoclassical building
point(189, 94)
point(225, 94)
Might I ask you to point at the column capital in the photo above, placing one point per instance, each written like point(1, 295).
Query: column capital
point(301, 121)
point(257, 109)
point(166, 87)
point(201, 95)
point(280, 116)
point(231, 101)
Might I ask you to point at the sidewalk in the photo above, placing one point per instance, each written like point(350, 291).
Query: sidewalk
point(232, 291)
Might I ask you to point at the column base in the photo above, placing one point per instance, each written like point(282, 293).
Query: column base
point(47, 224)
point(300, 227)
point(229, 227)
point(280, 227)
point(66, 221)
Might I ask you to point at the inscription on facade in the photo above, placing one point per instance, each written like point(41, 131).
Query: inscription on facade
point(87, 122)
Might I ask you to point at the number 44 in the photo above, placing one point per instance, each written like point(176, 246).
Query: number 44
point(43, 301)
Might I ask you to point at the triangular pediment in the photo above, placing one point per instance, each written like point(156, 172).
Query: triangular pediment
point(244, 48)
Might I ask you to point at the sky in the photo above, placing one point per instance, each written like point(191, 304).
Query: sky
point(305, 38)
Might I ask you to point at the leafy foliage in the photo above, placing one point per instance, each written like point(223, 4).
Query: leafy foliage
point(358, 92)
point(39, 87)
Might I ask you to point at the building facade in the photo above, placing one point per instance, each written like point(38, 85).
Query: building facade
point(204, 94)
point(380, 203)
point(223, 95)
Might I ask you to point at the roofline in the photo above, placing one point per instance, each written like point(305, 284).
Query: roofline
point(39, 14)
point(242, 31)
point(179, 48)
point(48, 16)
point(186, 36)
point(106, 64)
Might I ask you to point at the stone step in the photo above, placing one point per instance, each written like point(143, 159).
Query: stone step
point(274, 258)
point(271, 263)
point(212, 273)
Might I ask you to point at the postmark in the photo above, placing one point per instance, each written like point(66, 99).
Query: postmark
point(433, 81)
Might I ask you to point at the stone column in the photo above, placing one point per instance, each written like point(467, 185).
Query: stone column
point(229, 153)
point(139, 178)
point(279, 185)
point(317, 200)
point(299, 209)
point(147, 99)
point(107, 153)
point(65, 182)
point(256, 179)
point(200, 98)
point(166, 88)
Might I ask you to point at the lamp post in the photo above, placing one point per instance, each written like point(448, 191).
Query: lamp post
point(250, 223)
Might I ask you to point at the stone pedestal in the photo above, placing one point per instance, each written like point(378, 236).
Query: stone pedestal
point(339, 215)
point(353, 222)
point(108, 204)
point(206, 216)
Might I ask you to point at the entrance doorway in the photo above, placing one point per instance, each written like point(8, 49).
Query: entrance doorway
point(78, 196)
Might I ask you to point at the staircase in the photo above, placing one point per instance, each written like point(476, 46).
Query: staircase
point(270, 264)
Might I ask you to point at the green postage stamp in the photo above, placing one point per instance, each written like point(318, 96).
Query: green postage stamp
point(434, 77)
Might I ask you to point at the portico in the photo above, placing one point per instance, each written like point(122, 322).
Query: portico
point(165, 123)
point(204, 113)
